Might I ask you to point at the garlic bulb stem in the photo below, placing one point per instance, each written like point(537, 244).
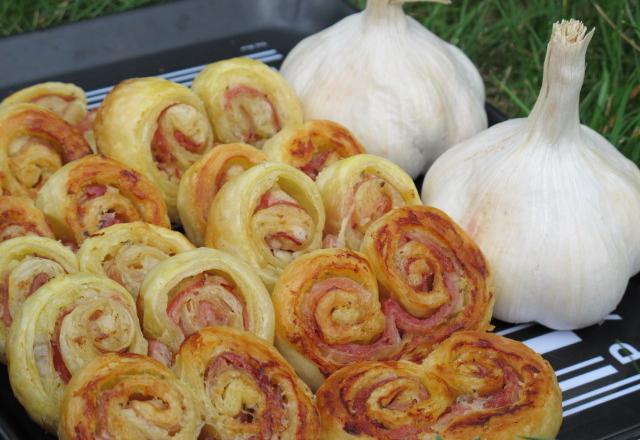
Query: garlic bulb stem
point(383, 10)
point(391, 9)
point(556, 115)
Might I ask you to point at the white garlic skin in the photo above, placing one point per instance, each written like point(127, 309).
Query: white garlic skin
point(406, 94)
point(553, 205)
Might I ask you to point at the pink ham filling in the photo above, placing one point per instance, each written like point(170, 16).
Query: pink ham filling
point(234, 92)
point(313, 167)
point(208, 313)
point(280, 240)
point(361, 423)
point(384, 346)
point(272, 418)
point(505, 397)
point(409, 323)
point(396, 319)
point(160, 352)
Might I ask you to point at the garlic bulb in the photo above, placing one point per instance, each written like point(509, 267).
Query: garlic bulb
point(406, 94)
point(554, 206)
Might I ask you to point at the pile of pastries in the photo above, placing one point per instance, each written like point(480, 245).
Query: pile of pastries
point(306, 266)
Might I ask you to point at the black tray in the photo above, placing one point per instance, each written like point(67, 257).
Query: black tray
point(598, 367)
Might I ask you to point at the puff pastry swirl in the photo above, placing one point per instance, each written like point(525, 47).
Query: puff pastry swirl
point(433, 276)
point(358, 190)
point(390, 400)
point(26, 264)
point(120, 396)
point(66, 100)
point(312, 146)
point(19, 217)
point(246, 100)
point(157, 127)
point(473, 385)
point(126, 252)
point(60, 328)
point(268, 216)
point(503, 389)
point(94, 192)
point(244, 388)
point(201, 288)
point(329, 314)
point(34, 143)
point(202, 181)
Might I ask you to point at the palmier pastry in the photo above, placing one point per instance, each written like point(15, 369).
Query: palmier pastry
point(503, 389)
point(473, 385)
point(432, 274)
point(390, 400)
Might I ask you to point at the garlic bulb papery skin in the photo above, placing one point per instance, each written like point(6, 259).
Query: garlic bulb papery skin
point(553, 205)
point(406, 94)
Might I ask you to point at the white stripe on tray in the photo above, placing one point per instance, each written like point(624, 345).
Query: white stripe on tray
point(579, 365)
point(601, 390)
point(515, 328)
point(588, 377)
point(601, 400)
point(551, 341)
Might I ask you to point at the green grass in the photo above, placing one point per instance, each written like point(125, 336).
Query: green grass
point(18, 16)
point(506, 39)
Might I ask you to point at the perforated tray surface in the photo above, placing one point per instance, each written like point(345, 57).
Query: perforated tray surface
point(598, 368)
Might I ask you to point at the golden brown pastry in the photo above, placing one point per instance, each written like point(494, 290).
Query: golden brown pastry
point(127, 396)
point(26, 264)
point(202, 181)
point(268, 216)
point(19, 216)
point(201, 288)
point(126, 252)
point(503, 389)
point(391, 400)
point(95, 192)
point(246, 100)
point(473, 385)
point(328, 314)
point(66, 100)
point(432, 274)
point(85, 127)
point(244, 388)
point(34, 143)
point(157, 127)
point(60, 328)
point(312, 146)
point(358, 190)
